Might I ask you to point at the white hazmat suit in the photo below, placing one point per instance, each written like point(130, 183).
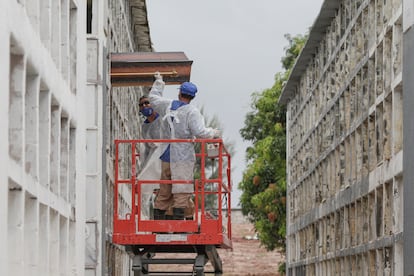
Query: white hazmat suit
point(150, 163)
point(185, 122)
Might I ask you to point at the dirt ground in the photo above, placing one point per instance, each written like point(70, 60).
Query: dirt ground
point(247, 258)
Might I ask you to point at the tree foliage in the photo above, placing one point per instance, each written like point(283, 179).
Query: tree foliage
point(263, 184)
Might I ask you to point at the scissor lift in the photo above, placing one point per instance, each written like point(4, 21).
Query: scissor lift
point(144, 238)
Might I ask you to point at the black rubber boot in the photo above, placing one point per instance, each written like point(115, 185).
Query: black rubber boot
point(178, 213)
point(159, 214)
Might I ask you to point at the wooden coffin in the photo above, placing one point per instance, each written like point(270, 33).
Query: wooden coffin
point(138, 69)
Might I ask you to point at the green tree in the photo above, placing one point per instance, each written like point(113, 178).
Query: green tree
point(263, 185)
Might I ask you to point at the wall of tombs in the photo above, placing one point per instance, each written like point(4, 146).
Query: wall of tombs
point(42, 212)
point(122, 118)
point(345, 147)
point(113, 114)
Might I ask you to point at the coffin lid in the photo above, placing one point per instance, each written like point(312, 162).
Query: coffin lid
point(138, 69)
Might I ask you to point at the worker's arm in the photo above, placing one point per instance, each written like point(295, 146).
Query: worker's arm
point(156, 95)
point(198, 128)
point(158, 85)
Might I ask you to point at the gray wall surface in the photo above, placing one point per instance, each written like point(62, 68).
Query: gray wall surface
point(346, 213)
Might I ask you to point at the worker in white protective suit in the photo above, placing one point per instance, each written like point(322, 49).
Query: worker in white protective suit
point(149, 156)
point(180, 121)
point(151, 128)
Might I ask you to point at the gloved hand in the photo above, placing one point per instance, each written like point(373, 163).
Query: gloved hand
point(153, 145)
point(158, 76)
point(216, 133)
point(158, 84)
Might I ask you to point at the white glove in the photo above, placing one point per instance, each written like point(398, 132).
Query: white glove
point(158, 76)
point(152, 145)
point(216, 133)
point(158, 84)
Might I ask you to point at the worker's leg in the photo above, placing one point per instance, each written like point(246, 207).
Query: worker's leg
point(169, 213)
point(182, 192)
point(189, 211)
point(180, 204)
point(164, 197)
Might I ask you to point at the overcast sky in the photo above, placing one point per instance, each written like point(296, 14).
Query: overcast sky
point(236, 47)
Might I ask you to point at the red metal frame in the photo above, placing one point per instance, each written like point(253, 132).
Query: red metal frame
point(130, 229)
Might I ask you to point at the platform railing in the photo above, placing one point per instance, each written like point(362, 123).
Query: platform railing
point(133, 196)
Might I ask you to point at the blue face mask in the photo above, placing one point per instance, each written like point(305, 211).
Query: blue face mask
point(147, 111)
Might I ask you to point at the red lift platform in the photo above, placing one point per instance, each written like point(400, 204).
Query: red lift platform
point(201, 236)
